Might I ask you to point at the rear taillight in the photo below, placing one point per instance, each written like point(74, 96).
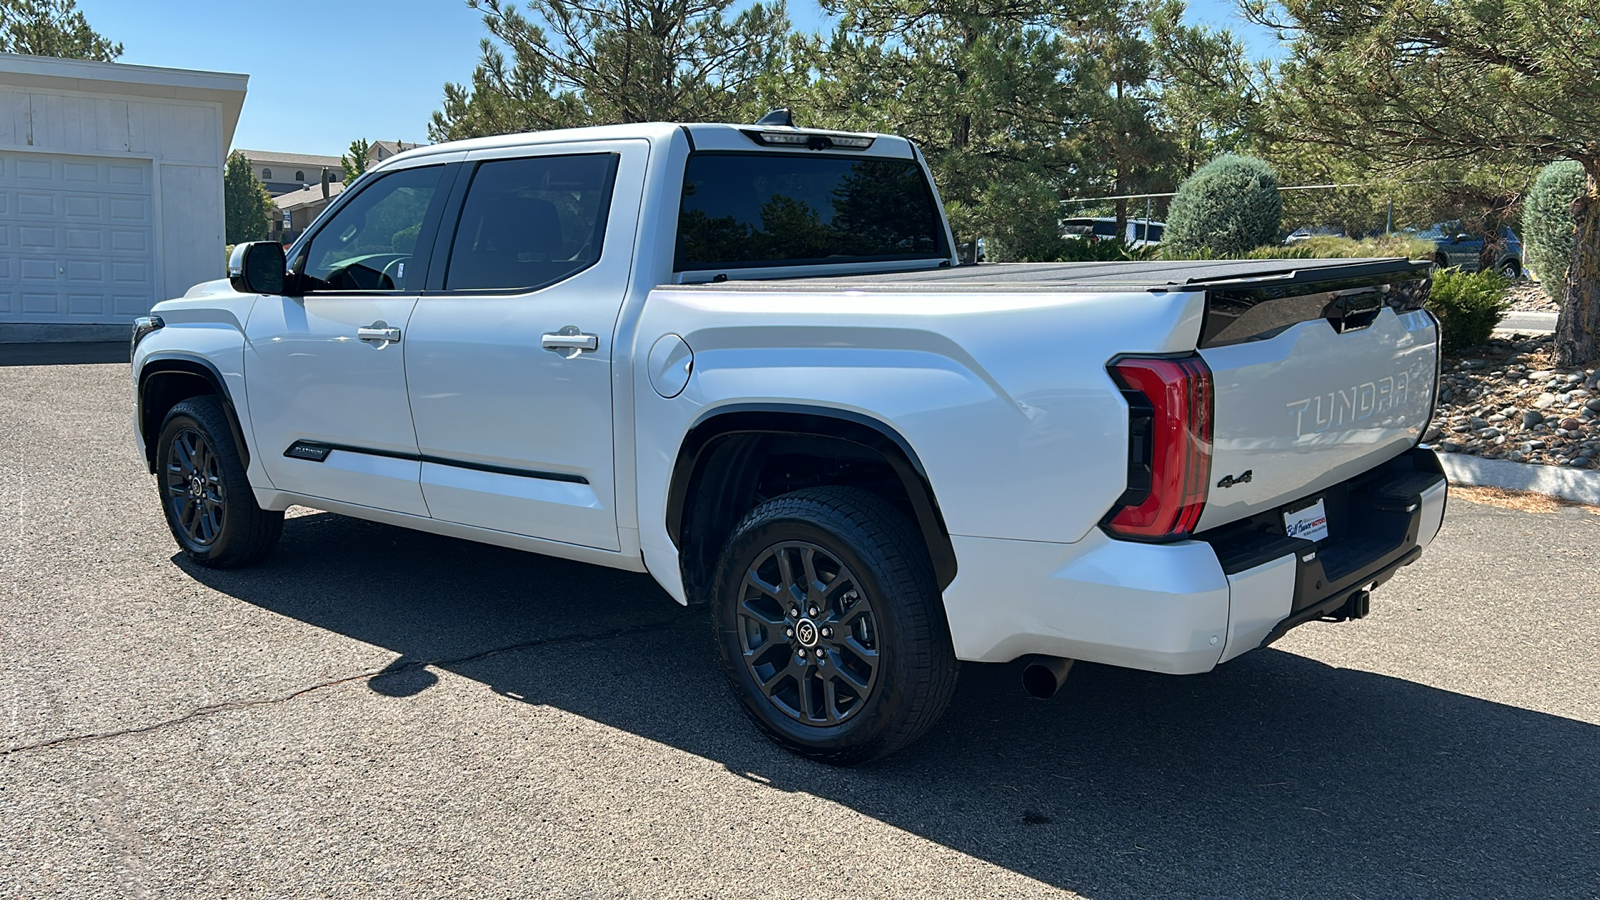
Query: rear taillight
point(1169, 447)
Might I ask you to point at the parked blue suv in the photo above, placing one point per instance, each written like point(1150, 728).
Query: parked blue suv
point(1454, 245)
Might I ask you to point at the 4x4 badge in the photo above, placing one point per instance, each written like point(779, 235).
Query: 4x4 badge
point(1229, 481)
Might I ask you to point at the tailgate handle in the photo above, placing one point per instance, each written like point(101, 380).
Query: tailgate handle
point(1353, 312)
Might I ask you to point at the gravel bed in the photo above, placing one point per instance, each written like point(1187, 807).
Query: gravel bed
point(1505, 400)
point(1529, 296)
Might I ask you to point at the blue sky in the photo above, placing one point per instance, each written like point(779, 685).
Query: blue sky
point(324, 72)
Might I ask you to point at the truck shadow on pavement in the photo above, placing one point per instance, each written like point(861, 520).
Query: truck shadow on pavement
point(1274, 776)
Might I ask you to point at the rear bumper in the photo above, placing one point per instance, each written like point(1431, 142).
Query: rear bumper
point(1182, 608)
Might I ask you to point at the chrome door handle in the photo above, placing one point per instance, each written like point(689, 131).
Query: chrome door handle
point(569, 342)
point(378, 333)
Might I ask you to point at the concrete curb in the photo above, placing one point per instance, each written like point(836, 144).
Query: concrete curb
point(1577, 485)
point(1528, 323)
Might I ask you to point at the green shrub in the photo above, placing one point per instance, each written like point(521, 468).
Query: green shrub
point(1548, 225)
point(1020, 220)
point(1083, 250)
point(1227, 208)
point(1322, 247)
point(1468, 306)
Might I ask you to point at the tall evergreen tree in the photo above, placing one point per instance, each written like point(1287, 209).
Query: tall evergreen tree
point(589, 62)
point(1119, 65)
point(988, 89)
point(52, 28)
point(1210, 90)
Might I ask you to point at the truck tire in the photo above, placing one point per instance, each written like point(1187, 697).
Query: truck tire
point(830, 625)
point(204, 492)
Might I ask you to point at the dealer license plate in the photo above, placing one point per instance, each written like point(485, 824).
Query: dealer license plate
point(1309, 522)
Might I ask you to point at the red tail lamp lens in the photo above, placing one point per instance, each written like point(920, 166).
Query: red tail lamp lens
point(1176, 448)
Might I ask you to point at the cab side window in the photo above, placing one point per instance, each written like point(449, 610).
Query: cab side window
point(368, 243)
point(529, 223)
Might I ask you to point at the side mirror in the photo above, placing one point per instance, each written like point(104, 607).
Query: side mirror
point(1459, 239)
point(257, 268)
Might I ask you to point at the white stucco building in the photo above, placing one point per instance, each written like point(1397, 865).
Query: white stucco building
point(110, 191)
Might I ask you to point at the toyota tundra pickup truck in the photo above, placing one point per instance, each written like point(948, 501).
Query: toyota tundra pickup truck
point(746, 360)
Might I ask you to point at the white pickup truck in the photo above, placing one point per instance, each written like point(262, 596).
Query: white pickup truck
point(745, 360)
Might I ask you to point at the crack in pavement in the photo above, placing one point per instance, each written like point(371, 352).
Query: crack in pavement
point(391, 669)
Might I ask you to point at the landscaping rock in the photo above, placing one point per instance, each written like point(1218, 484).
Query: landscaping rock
point(1505, 400)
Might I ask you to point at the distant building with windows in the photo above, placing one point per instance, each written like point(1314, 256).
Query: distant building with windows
point(296, 210)
point(285, 172)
point(295, 182)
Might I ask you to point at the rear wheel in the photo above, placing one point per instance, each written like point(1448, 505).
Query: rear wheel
point(830, 626)
point(204, 492)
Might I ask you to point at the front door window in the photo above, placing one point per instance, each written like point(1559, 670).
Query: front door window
point(368, 244)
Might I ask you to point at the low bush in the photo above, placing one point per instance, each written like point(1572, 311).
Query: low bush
point(1019, 220)
point(1548, 225)
point(1322, 247)
point(1083, 250)
point(1227, 207)
point(1468, 306)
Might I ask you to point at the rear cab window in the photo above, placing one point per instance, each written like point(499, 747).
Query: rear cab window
point(764, 209)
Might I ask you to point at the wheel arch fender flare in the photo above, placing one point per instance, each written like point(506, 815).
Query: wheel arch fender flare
point(873, 434)
point(171, 364)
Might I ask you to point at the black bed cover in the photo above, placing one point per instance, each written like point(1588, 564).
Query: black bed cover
point(1141, 275)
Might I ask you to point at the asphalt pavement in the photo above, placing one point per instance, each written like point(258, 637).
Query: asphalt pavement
point(377, 712)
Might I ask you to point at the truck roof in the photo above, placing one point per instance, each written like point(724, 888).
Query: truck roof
point(701, 136)
point(1142, 275)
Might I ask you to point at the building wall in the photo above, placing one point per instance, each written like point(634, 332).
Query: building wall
point(282, 180)
point(182, 142)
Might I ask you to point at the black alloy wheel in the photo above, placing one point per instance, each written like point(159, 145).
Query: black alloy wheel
point(807, 633)
point(205, 494)
point(831, 626)
point(195, 494)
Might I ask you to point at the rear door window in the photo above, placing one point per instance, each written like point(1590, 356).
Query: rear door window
point(529, 223)
point(747, 210)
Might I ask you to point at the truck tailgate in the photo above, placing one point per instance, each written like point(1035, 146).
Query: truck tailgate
point(1315, 382)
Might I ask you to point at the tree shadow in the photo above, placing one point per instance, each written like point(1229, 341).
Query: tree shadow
point(1274, 776)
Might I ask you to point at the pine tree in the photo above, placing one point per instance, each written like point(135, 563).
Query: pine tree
point(611, 61)
point(52, 28)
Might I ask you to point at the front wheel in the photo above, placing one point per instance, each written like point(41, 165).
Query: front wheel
point(204, 492)
point(830, 625)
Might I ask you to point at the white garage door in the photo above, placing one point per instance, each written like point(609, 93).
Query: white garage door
point(77, 238)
